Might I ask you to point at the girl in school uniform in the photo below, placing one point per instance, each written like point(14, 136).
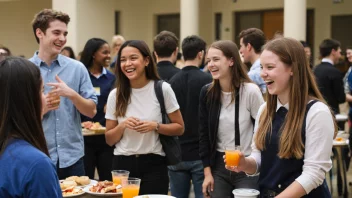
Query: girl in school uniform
point(294, 128)
point(133, 115)
point(227, 109)
point(97, 154)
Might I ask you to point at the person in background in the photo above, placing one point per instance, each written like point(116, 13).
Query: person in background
point(294, 129)
point(308, 52)
point(251, 43)
point(187, 85)
point(180, 62)
point(4, 51)
point(68, 79)
point(116, 44)
point(328, 77)
point(230, 93)
point(133, 115)
point(25, 167)
point(68, 51)
point(348, 92)
point(165, 51)
point(97, 154)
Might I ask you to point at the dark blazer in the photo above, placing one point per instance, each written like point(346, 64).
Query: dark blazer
point(166, 70)
point(330, 83)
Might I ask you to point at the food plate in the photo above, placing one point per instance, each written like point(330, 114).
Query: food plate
point(154, 196)
point(92, 182)
point(86, 189)
point(75, 195)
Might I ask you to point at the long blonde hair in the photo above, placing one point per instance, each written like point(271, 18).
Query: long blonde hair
point(303, 88)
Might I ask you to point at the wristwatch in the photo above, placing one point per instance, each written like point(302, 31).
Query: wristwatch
point(157, 127)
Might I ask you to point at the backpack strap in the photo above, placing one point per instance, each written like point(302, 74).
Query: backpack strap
point(237, 125)
point(159, 95)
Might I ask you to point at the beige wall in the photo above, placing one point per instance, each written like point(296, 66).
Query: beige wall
point(95, 18)
point(15, 24)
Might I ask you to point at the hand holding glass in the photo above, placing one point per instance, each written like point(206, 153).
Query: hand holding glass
point(232, 155)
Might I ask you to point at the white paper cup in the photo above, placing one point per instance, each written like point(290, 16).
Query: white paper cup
point(245, 193)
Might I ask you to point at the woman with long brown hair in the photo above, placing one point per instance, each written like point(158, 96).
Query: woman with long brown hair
point(25, 167)
point(133, 118)
point(228, 107)
point(294, 129)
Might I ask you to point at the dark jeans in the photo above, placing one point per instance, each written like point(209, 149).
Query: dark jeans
point(150, 168)
point(97, 154)
point(77, 169)
point(181, 176)
point(226, 181)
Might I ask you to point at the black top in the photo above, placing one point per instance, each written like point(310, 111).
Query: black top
point(330, 83)
point(278, 173)
point(187, 85)
point(166, 70)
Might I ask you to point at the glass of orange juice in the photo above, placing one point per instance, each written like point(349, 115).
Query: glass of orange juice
point(232, 155)
point(130, 187)
point(118, 175)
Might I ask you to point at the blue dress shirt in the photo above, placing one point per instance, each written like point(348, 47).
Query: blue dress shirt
point(62, 127)
point(254, 75)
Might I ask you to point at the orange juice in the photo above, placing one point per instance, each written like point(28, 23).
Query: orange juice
point(116, 180)
point(130, 191)
point(232, 158)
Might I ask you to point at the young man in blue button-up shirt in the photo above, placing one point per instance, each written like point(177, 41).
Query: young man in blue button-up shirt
point(68, 79)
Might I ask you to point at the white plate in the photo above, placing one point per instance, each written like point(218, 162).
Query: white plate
point(155, 196)
point(86, 189)
point(92, 182)
point(74, 195)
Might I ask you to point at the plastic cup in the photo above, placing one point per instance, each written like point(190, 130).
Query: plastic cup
point(232, 155)
point(245, 193)
point(130, 187)
point(119, 175)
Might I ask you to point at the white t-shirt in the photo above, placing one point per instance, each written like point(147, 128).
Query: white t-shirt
point(250, 100)
point(145, 106)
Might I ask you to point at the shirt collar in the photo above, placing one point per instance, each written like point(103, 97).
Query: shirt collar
point(104, 72)
point(327, 60)
point(59, 60)
point(278, 105)
point(256, 64)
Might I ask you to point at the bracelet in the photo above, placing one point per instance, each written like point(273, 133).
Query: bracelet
point(157, 127)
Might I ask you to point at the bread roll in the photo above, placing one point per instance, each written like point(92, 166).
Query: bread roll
point(83, 180)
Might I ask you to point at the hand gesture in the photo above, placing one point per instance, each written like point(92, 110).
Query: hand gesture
point(61, 89)
point(131, 123)
point(146, 126)
point(208, 185)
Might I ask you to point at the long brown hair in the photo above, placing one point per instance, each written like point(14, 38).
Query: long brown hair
point(303, 88)
point(20, 103)
point(238, 70)
point(123, 87)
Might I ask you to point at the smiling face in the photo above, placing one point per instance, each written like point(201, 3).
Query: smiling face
point(54, 38)
point(276, 75)
point(349, 55)
point(133, 63)
point(102, 56)
point(218, 64)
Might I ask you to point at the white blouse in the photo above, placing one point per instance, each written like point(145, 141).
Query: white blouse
point(318, 145)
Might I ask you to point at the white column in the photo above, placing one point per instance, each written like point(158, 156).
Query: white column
point(295, 14)
point(69, 7)
point(189, 18)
